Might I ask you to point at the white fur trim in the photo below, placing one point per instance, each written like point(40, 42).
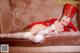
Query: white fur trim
point(38, 38)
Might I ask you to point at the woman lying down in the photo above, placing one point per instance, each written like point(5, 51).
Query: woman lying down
point(38, 30)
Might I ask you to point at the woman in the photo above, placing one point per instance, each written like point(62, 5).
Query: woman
point(63, 24)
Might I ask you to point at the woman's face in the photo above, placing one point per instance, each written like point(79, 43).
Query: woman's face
point(65, 20)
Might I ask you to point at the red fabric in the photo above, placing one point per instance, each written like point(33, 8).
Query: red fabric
point(71, 25)
point(69, 10)
point(51, 21)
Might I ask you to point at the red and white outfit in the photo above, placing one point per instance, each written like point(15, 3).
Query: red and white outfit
point(68, 12)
